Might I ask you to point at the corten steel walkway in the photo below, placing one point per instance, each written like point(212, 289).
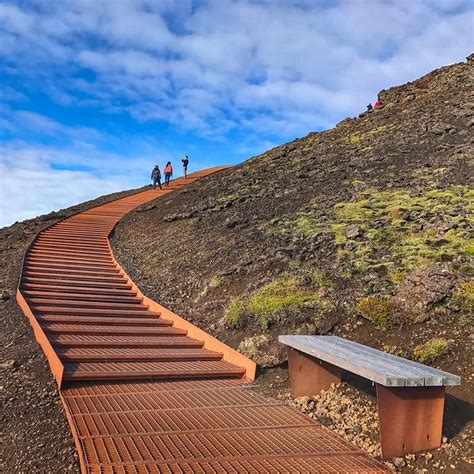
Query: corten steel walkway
point(144, 390)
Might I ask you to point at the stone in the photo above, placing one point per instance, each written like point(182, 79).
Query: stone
point(352, 231)
point(233, 221)
point(8, 364)
point(264, 350)
point(398, 462)
point(5, 295)
point(422, 289)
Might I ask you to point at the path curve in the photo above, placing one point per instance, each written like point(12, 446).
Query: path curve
point(143, 389)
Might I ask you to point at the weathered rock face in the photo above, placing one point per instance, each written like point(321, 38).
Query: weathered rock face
point(422, 290)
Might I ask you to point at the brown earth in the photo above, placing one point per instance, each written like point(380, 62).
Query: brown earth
point(360, 231)
point(35, 434)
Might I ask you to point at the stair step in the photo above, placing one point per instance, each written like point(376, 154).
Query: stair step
point(93, 241)
point(141, 370)
point(47, 310)
point(53, 328)
point(90, 295)
point(109, 283)
point(139, 354)
point(123, 341)
point(64, 262)
point(70, 271)
point(53, 303)
point(103, 289)
point(69, 257)
point(73, 233)
point(62, 246)
point(109, 320)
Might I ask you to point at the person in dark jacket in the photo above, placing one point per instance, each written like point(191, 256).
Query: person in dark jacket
point(185, 161)
point(168, 170)
point(156, 177)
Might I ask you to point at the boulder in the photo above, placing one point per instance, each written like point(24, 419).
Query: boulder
point(263, 349)
point(423, 289)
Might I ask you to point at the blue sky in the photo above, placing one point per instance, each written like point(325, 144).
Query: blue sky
point(93, 93)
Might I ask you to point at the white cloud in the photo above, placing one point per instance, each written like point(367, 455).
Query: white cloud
point(33, 180)
point(244, 61)
point(264, 71)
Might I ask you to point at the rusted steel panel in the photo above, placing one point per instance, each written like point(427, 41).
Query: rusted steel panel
point(411, 419)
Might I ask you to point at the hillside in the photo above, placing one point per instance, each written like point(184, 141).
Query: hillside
point(361, 231)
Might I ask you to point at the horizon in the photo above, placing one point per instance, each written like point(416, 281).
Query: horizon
point(94, 94)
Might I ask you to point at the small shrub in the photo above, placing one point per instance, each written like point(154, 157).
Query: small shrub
point(276, 297)
point(431, 350)
point(233, 312)
point(319, 280)
point(393, 349)
point(376, 309)
point(281, 294)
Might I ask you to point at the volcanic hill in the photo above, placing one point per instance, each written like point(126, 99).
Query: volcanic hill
point(363, 231)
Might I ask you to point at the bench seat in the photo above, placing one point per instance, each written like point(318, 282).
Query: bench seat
point(385, 369)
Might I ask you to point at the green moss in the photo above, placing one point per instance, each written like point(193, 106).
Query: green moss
point(229, 198)
point(319, 280)
point(216, 282)
point(463, 301)
point(281, 294)
point(233, 312)
point(392, 349)
point(390, 224)
point(357, 137)
point(430, 350)
point(377, 309)
point(307, 225)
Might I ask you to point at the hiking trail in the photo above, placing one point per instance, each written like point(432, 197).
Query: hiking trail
point(143, 389)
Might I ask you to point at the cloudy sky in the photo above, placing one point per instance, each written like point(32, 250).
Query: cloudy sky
point(93, 93)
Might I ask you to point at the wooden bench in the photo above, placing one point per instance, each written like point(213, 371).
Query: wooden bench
point(410, 396)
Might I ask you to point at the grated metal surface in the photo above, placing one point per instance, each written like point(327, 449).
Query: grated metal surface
point(140, 395)
point(202, 426)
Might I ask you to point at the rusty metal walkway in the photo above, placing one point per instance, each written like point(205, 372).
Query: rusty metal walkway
point(143, 389)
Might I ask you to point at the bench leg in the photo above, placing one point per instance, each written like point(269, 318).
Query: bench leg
point(310, 375)
point(411, 419)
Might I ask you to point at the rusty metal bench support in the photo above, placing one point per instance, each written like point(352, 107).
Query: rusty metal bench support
point(411, 418)
point(310, 375)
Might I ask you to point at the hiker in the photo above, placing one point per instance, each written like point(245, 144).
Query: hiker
point(156, 177)
point(369, 107)
point(168, 170)
point(185, 161)
point(378, 104)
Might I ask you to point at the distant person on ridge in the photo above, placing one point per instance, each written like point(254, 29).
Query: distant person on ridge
point(369, 107)
point(185, 161)
point(168, 170)
point(378, 104)
point(156, 177)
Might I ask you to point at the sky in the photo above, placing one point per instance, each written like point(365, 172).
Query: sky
point(93, 93)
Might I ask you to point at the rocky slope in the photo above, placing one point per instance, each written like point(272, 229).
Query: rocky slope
point(362, 231)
